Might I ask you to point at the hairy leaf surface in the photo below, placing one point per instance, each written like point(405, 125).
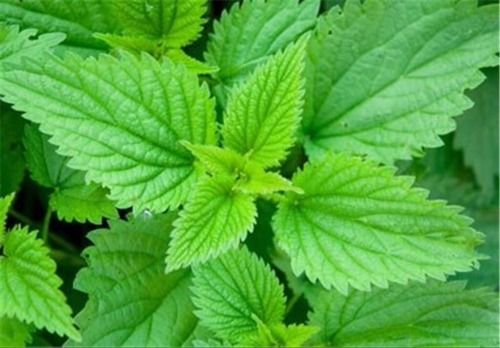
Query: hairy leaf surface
point(255, 30)
point(132, 301)
point(231, 289)
point(357, 224)
point(215, 220)
point(29, 287)
point(120, 120)
point(72, 198)
point(418, 315)
point(389, 75)
point(263, 113)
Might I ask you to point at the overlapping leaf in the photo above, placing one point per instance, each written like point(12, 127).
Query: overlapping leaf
point(255, 30)
point(120, 120)
point(132, 302)
point(263, 114)
point(389, 75)
point(418, 315)
point(358, 224)
point(215, 220)
point(13, 333)
point(234, 292)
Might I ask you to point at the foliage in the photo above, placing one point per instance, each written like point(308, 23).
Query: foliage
point(254, 173)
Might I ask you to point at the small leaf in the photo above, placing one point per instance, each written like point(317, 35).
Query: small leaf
point(132, 302)
point(13, 333)
point(217, 160)
point(29, 286)
point(215, 220)
point(5, 203)
point(263, 113)
point(358, 224)
point(280, 335)
point(232, 289)
point(258, 181)
point(418, 315)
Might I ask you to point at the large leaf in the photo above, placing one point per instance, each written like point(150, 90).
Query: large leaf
point(357, 224)
point(72, 198)
point(263, 113)
point(419, 315)
point(29, 287)
point(235, 292)
point(77, 19)
point(388, 76)
point(215, 220)
point(255, 30)
point(477, 133)
point(120, 120)
point(132, 302)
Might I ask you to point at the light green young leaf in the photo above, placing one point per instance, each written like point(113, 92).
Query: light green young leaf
point(13, 333)
point(254, 180)
point(215, 220)
point(15, 44)
point(477, 133)
point(280, 335)
point(5, 203)
point(358, 224)
point(232, 289)
point(419, 315)
point(255, 30)
point(165, 24)
point(126, 276)
point(263, 113)
point(11, 150)
point(72, 198)
point(216, 160)
point(389, 76)
point(29, 287)
point(120, 120)
point(77, 19)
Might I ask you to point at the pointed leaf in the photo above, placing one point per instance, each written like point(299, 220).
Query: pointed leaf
point(230, 290)
point(120, 120)
point(389, 75)
point(13, 333)
point(263, 113)
point(215, 220)
point(5, 203)
point(358, 224)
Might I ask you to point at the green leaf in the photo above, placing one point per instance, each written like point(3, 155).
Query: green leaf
point(72, 199)
point(232, 289)
point(358, 224)
point(15, 44)
point(29, 287)
point(215, 220)
point(11, 150)
point(132, 302)
point(389, 75)
point(263, 113)
point(5, 203)
point(216, 160)
point(77, 19)
point(419, 315)
point(13, 333)
point(120, 120)
point(280, 335)
point(164, 24)
point(256, 181)
point(255, 30)
point(477, 133)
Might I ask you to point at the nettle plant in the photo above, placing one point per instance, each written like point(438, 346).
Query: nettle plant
point(271, 157)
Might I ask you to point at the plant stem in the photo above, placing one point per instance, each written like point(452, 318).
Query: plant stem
point(46, 224)
point(292, 303)
point(22, 218)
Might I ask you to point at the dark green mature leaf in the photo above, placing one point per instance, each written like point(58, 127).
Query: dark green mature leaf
point(477, 133)
point(358, 224)
point(388, 76)
point(232, 289)
point(72, 199)
point(120, 120)
point(255, 30)
point(132, 302)
point(215, 220)
point(418, 315)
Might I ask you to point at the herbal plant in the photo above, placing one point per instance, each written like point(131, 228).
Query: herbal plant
point(253, 195)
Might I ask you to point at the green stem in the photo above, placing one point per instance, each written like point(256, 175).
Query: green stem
point(292, 303)
point(46, 224)
point(22, 218)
